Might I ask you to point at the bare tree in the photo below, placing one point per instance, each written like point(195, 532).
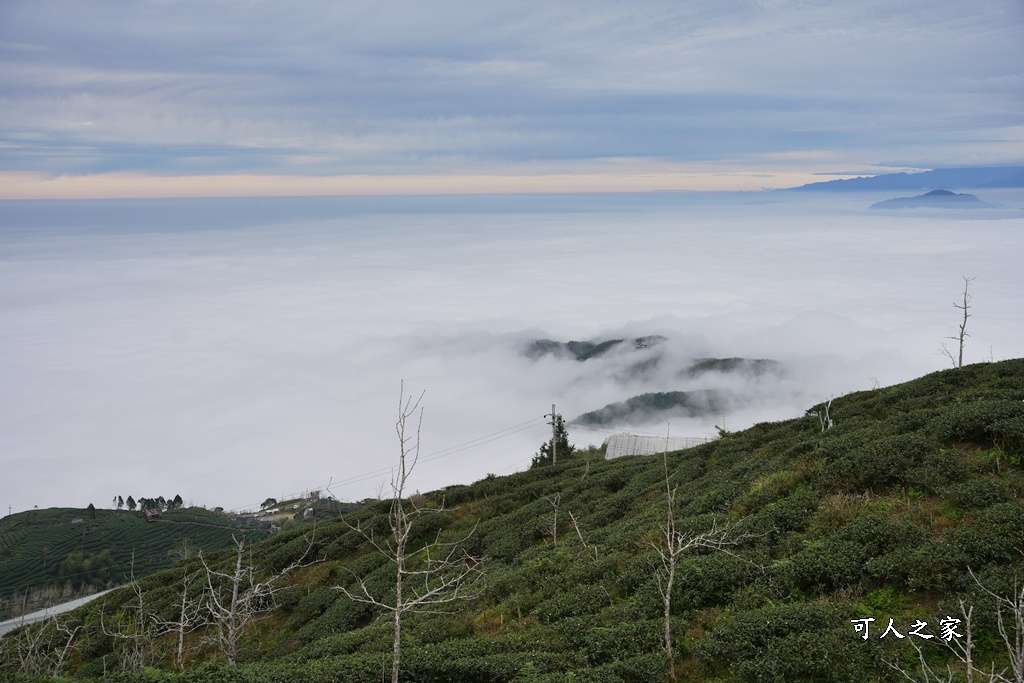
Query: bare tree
point(1010, 626)
point(426, 579)
point(576, 526)
point(131, 628)
point(551, 521)
point(235, 598)
point(67, 634)
point(672, 544)
point(958, 361)
point(824, 418)
point(190, 616)
point(40, 649)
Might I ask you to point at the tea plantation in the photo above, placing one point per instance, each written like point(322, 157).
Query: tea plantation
point(66, 547)
point(911, 501)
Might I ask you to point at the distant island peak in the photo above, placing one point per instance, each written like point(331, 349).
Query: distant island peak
point(936, 199)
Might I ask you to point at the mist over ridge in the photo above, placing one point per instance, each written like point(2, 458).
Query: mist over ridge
point(243, 348)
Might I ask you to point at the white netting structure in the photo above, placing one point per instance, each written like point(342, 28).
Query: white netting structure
point(634, 444)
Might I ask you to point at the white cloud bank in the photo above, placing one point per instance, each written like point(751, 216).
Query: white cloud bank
point(230, 350)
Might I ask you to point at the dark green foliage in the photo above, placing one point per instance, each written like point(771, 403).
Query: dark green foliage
point(598, 349)
point(938, 470)
point(980, 492)
point(1008, 435)
point(555, 448)
point(974, 421)
point(751, 366)
point(640, 408)
point(883, 515)
point(995, 535)
point(42, 548)
point(575, 602)
point(787, 643)
point(857, 555)
point(882, 462)
point(78, 569)
point(580, 350)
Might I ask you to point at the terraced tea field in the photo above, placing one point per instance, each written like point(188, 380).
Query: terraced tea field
point(36, 545)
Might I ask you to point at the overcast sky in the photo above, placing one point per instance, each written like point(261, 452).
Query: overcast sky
point(200, 97)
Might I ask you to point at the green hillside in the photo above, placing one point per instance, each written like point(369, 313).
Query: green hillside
point(65, 551)
point(653, 406)
point(885, 516)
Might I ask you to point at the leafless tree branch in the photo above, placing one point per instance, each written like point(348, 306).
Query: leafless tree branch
point(958, 362)
point(1009, 624)
point(441, 572)
point(235, 599)
point(673, 543)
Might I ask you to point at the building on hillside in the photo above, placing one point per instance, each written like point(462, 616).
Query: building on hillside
point(635, 444)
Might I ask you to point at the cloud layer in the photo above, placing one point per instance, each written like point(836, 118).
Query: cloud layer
point(230, 350)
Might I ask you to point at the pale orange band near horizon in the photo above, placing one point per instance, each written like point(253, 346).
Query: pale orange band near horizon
point(139, 186)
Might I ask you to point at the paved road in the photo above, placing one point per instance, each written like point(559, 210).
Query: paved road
point(6, 626)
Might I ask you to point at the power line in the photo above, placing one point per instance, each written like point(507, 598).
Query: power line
point(436, 455)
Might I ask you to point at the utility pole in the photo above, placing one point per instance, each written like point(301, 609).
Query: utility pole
point(554, 436)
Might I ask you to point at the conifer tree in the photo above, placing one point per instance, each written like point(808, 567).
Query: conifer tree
point(558, 444)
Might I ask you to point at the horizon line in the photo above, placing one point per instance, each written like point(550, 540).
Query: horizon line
point(120, 185)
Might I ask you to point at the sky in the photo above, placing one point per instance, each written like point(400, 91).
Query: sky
point(229, 229)
point(151, 98)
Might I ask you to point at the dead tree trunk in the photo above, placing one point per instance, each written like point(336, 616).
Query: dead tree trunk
point(235, 599)
point(1009, 625)
point(441, 572)
point(671, 545)
point(190, 617)
point(958, 362)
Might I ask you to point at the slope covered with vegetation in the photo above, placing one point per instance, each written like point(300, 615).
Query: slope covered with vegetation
point(651, 407)
point(887, 514)
point(68, 551)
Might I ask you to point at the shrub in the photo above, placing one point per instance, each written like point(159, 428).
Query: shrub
point(973, 422)
point(785, 643)
point(978, 493)
point(996, 535)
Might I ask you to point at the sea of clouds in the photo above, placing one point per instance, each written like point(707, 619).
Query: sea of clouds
point(230, 350)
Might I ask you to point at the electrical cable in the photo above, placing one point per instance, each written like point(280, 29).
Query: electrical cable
point(445, 452)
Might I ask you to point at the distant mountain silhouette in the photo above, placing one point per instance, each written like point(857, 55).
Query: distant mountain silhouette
point(936, 199)
point(584, 350)
point(940, 178)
